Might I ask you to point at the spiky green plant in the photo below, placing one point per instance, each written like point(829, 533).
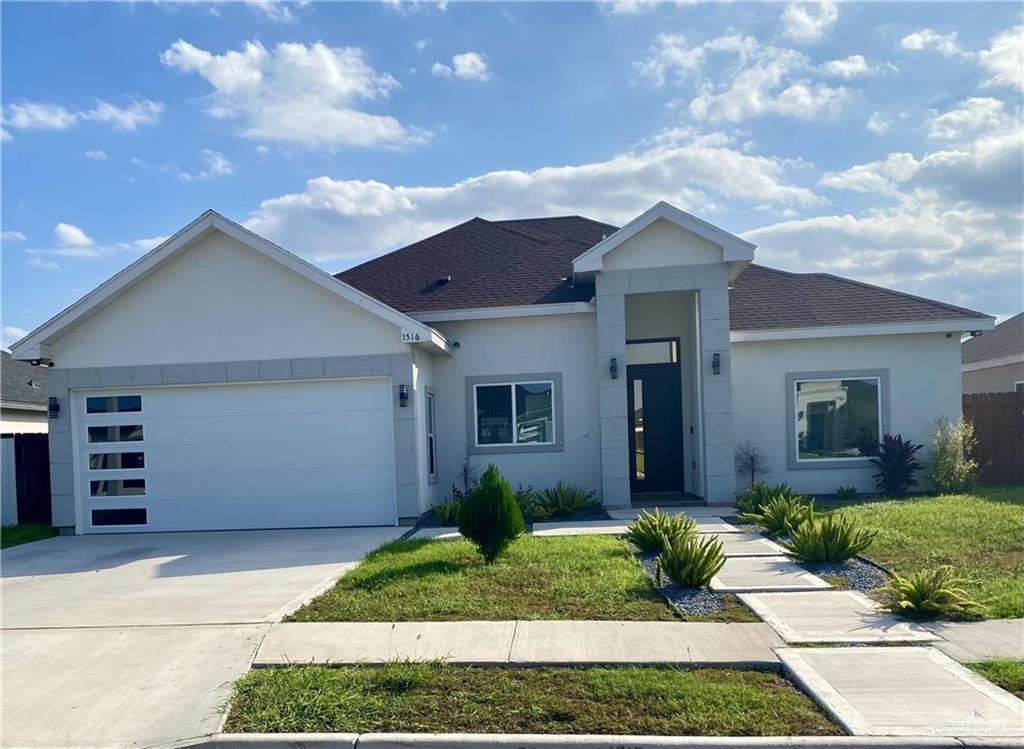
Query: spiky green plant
point(782, 514)
point(448, 511)
point(565, 499)
point(931, 593)
point(690, 560)
point(828, 538)
point(752, 499)
point(847, 494)
point(650, 529)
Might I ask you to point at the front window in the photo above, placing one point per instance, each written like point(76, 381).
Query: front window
point(519, 413)
point(837, 418)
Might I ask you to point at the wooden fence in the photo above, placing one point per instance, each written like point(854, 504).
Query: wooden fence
point(26, 469)
point(998, 420)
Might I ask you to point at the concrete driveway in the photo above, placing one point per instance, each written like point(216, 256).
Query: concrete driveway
point(135, 640)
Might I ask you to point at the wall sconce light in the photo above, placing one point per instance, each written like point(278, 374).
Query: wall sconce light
point(53, 407)
point(613, 368)
point(716, 364)
point(403, 395)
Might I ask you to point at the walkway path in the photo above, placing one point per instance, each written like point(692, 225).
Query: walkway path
point(978, 641)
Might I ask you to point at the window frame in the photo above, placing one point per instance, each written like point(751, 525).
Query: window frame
point(795, 462)
point(554, 379)
point(107, 414)
point(430, 418)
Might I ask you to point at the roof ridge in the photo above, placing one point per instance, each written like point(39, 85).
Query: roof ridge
point(936, 302)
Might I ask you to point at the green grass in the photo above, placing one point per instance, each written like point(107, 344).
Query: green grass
point(980, 534)
point(14, 535)
point(570, 577)
point(433, 697)
point(1003, 672)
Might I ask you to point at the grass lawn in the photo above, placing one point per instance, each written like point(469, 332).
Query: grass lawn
point(433, 697)
point(1004, 673)
point(980, 534)
point(570, 577)
point(13, 535)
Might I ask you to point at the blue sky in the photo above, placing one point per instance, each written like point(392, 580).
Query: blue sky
point(877, 141)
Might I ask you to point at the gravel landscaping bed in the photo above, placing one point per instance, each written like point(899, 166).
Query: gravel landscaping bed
point(856, 574)
point(695, 604)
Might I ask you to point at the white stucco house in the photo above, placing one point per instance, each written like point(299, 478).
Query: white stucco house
point(222, 382)
point(994, 362)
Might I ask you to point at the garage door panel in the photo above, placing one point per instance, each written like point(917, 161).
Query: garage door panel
point(268, 428)
point(254, 456)
point(228, 484)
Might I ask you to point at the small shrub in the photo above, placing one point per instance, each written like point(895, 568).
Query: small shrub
point(529, 504)
point(750, 461)
point(690, 560)
point(931, 593)
point(650, 530)
point(782, 514)
point(448, 511)
point(489, 515)
point(847, 494)
point(754, 498)
point(565, 499)
point(896, 463)
point(952, 469)
point(828, 538)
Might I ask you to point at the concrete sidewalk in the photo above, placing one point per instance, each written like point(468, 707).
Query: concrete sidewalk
point(968, 642)
point(524, 643)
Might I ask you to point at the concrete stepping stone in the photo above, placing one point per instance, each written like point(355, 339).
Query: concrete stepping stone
point(710, 524)
point(832, 616)
point(886, 691)
point(747, 545)
point(764, 574)
point(968, 642)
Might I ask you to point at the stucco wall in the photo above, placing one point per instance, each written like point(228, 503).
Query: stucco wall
point(222, 301)
point(924, 377)
point(22, 421)
point(661, 245)
point(994, 379)
point(557, 343)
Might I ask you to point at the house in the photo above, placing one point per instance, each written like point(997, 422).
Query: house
point(22, 396)
point(222, 382)
point(993, 362)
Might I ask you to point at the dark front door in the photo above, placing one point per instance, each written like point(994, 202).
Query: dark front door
point(655, 399)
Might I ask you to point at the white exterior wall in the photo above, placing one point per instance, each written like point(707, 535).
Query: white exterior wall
point(556, 343)
point(924, 384)
point(662, 245)
point(22, 421)
point(222, 301)
point(993, 379)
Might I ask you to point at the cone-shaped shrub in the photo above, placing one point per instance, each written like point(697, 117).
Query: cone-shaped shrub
point(489, 515)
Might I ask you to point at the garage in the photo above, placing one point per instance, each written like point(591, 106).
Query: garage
point(298, 454)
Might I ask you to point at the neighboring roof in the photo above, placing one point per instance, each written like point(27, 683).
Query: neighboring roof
point(764, 299)
point(20, 382)
point(491, 264)
point(1005, 339)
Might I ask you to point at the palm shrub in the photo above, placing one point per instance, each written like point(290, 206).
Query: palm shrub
point(690, 560)
point(448, 511)
point(649, 530)
point(896, 462)
point(752, 499)
point(847, 494)
point(489, 515)
point(952, 469)
point(565, 499)
point(828, 538)
point(782, 514)
point(931, 593)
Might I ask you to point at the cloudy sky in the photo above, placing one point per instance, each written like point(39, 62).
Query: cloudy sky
point(878, 141)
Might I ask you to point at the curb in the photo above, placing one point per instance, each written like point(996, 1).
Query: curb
point(555, 741)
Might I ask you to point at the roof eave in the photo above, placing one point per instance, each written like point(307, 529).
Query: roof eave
point(848, 331)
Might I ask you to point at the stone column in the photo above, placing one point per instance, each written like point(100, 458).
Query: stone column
point(716, 395)
point(611, 344)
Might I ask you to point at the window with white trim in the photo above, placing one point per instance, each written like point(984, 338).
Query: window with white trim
point(837, 419)
point(1018, 387)
point(514, 413)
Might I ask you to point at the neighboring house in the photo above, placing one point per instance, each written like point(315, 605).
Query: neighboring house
point(22, 396)
point(222, 382)
point(993, 362)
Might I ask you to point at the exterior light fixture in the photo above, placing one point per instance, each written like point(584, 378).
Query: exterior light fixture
point(613, 368)
point(403, 395)
point(716, 364)
point(53, 407)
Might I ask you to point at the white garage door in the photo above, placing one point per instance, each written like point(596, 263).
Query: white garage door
point(261, 455)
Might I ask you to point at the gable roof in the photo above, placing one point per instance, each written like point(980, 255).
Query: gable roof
point(1005, 340)
point(762, 298)
point(491, 264)
point(21, 382)
point(33, 346)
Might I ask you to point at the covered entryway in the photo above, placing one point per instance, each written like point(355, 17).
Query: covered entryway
point(235, 456)
point(655, 400)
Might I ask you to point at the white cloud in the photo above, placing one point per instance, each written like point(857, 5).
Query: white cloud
point(808, 22)
point(11, 334)
point(967, 118)
point(35, 261)
point(139, 112)
point(69, 235)
point(877, 124)
point(409, 7)
point(341, 219)
point(441, 70)
point(97, 155)
point(262, 150)
point(631, 7)
point(216, 166)
point(670, 57)
point(469, 66)
point(295, 93)
point(876, 176)
point(277, 11)
point(931, 40)
point(422, 44)
point(12, 236)
point(848, 67)
point(1004, 59)
point(30, 115)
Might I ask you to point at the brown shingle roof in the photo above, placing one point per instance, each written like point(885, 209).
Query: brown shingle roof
point(1005, 339)
point(20, 382)
point(529, 261)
